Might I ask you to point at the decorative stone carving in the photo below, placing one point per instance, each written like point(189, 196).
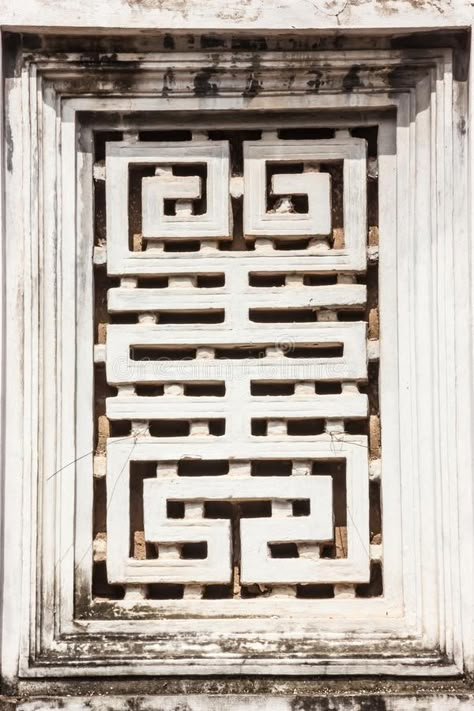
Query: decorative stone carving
point(182, 191)
point(336, 352)
point(182, 311)
point(284, 221)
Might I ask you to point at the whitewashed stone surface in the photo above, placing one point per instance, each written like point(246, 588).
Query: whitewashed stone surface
point(238, 408)
point(422, 624)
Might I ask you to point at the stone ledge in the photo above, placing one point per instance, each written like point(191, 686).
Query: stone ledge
point(190, 15)
point(247, 702)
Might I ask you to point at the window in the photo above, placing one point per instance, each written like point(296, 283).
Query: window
point(227, 450)
point(238, 371)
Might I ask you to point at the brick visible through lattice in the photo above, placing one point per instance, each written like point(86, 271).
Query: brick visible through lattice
point(236, 344)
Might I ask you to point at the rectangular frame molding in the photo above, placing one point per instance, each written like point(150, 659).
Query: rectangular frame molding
point(422, 627)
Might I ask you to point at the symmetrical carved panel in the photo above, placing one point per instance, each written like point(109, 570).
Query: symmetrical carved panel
point(169, 188)
point(283, 219)
point(234, 368)
point(193, 441)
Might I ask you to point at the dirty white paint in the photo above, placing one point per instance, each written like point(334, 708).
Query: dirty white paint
point(423, 625)
point(216, 15)
point(272, 702)
point(261, 222)
point(389, 624)
point(238, 407)
point(257, 564)
point(214, 223)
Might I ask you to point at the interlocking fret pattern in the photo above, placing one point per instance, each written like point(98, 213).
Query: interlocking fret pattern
point(82, 511)
point(235, 356)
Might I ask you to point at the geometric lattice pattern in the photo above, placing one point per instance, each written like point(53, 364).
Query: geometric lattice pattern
point(235, 363)
point(173, 500)
point(283, 220)
point(184, 176)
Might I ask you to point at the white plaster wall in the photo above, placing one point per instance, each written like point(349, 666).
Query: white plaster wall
point(221, 15)
point(255, 16)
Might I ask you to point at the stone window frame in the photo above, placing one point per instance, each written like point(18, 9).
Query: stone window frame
point(428, 637)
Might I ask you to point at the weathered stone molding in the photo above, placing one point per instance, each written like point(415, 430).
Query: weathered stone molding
point(415, 84)
point(260, 15)
point(430, 274)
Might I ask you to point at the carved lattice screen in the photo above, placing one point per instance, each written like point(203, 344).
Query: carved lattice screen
point(206, 497)
point(237, 443)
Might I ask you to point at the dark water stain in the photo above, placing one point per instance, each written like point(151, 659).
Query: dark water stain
point(352, 79)
point(9, 142)
point(168, 41)
point(212, 42)
point(314, 84)
point(168, 82)
point(253, 87)
point(203, 86)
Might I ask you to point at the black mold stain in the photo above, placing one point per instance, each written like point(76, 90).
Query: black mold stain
point(12, 46)
point(202, 84)
point(168, 42)
point(375, 703)
point(168, 82)
point(9, 142)
point(396, 77)
point(315, 83)
point(99, 59)
point(31, 41)
point(310, 704)
point(258, 44)
point(126, 82)
point(352, 80)
point(457, 40)
point(462, 128)
point(253, 87)
point(212, 42)
point(321, 703)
